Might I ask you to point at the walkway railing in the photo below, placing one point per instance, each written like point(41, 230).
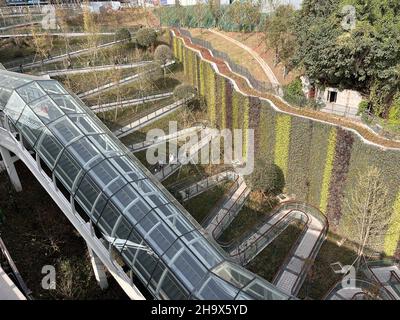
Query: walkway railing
point(257, 84)
point(108, 86)
point(361, 288)
point(65, 55)
point(258, 238)
point(307, 261)
point(136, 147)
point(21, 283)
point(201, 186)
point(129, 103)
point(224, 215)
point(151, 115)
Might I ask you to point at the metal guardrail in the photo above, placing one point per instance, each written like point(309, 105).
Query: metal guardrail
point(365, 288)
point(140, 120)
point(205, 184)
point(131, 102)
point(263, 239)
point(27, 292)
point(256, 84)
point(230, 213)
point(315, 213)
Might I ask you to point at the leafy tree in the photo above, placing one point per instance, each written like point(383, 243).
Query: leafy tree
point(279, 35)
point(368, 211)
point(266, 177)
point(365, 58)
point(146, 37)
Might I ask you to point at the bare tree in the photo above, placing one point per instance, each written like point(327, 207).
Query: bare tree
point(368, 211)
point(163, 55)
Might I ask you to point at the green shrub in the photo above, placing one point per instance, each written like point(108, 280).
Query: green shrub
point(146, 37)
point(184, 91)
point(266, 177)
point(293, 93)
point(123, 34)
point(394, 113)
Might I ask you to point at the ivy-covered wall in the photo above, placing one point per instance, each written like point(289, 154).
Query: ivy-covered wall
point(319, 160)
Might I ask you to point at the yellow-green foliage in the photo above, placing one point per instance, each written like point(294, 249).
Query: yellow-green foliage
point(330, 155)
point(245, 125)
point(222, 103)
point(211, 98)
point(393, 235)
point(282, 140)
point(235, 109)
point(175, 47)
point(202, 78)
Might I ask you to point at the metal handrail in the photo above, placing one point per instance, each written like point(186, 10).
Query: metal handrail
point(257, 84)
point(274, 227)
point(314, 250)
point(15, 271)
point(242, 197)
point(145, 118)
point(207, 220)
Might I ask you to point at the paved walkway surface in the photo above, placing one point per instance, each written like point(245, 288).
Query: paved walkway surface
point(295, 266)
point(228, 211)
point(149, 118)
point(267, 70)
point(8, 289)
point(130, 102)
point(61, 72)
point(64, 56)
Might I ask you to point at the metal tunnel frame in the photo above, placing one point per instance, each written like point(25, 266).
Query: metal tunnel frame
point(153, 234)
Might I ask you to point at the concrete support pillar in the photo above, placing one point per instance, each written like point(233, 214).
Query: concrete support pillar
point(10, 167)
point(98, 267)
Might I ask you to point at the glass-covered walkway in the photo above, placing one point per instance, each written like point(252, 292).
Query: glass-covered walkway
point(155, 237)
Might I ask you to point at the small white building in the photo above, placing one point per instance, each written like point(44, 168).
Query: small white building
point(342, 103)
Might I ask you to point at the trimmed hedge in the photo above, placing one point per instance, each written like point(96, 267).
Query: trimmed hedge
point(341, 162)
point(282, 140)
point(297, 179)
point(330, 155)
point(393, 235)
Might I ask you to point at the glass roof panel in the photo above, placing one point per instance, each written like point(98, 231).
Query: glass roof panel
point(46, 109)
point(30, 125)
point(65, 130)
point(52, 87)
point(67, 104)
point(14, 106)
point(118, 193)
point(215, 288)
point(31, 92)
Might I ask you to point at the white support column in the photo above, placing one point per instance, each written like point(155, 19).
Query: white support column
point(98, 267)
point(12, 172)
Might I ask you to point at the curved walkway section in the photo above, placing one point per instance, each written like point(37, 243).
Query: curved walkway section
point(158, 241)
point(108, 86)
point(242, 84)
point(62, 72)
point(62, 57)
point(129, 103)
point(150, 117)
point(140, 146)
